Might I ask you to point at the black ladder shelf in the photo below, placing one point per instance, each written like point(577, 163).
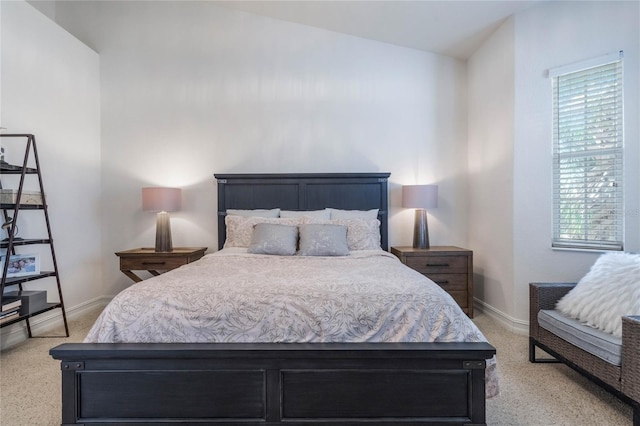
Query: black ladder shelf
point(9, 244)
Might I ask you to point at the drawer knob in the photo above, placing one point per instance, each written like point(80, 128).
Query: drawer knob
point(439, 265)
point(443, 282)
point(153, 263)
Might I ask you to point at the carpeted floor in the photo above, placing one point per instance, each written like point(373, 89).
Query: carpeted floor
point(544, 394)
point(531, 394)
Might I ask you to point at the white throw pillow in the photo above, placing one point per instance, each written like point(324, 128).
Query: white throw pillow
point(254, 213)
point(351, 214)
point(362, 234)
point(316, 214)
point(609, 291)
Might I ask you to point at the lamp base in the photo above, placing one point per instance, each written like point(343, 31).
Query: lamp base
point(163, 232)
point(420, 230)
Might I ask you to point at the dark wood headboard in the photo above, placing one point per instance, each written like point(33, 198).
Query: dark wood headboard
point(303, 191)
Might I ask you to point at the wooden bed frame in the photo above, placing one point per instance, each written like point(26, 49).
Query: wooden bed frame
point(278, 383)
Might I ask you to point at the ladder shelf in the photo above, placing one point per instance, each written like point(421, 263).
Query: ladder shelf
point(11, 209)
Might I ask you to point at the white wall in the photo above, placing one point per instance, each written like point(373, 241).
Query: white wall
point(518, 106)
point(490, 161)
point(50, 87)
point(190, 89)
point(561, 33)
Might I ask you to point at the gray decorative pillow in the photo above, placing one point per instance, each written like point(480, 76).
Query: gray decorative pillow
point(240, 229)
point(271, 238)
point(323, 240)
point(362, 234)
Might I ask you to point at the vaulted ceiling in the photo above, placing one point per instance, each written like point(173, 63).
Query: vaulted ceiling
point(448, 27)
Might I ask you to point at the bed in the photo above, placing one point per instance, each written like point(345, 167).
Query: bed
point(348, 366)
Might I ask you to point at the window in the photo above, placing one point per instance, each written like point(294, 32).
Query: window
point(588, 155)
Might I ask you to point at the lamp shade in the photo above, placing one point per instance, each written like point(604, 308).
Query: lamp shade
point(161, 199)
point(420, 196)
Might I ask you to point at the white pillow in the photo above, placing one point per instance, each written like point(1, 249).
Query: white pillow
point(317, 214)
point(350, 214)
point(240, 228)
point(609, 291)
point(254, 213)
point(362, 234)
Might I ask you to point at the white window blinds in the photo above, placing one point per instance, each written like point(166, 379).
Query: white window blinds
point(588, 156)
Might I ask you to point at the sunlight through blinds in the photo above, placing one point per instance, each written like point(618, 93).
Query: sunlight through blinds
point(588, 156)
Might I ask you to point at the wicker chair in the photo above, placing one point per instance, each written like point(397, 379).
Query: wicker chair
point(621, 380)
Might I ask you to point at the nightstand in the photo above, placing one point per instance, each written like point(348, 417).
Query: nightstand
point(147, 259)
point(448, 266)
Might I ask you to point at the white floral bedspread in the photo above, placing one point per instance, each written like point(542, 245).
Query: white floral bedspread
point(230, 296)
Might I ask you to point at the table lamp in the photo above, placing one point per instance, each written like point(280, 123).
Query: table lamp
point(162, 200)
point(420, 197)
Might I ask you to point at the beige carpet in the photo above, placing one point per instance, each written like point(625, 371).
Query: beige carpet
point(531, 394)
point(544, 394)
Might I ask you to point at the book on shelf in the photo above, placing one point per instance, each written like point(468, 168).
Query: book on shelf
point(8, 316)
point(10, 304)
point(8, 313)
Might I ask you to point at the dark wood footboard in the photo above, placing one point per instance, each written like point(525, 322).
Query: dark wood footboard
point(269, 384)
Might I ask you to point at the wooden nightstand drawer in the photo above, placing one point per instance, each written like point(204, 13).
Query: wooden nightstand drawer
point(461, 298)
point(450, 282)
point(438, 264)
point(147, 259)
point(162, 263)
point(448, 266)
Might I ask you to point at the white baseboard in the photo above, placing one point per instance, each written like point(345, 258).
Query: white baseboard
point(512, 324)
point(41, 324)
